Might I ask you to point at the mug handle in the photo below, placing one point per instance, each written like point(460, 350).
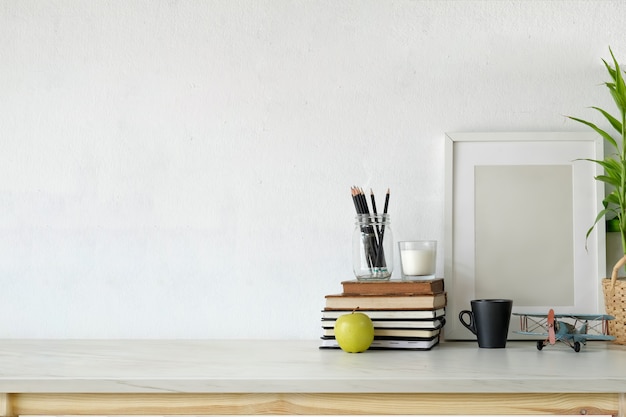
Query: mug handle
point(471, 326)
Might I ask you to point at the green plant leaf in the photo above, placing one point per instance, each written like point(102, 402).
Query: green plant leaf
point(609, 68)
point(609, 180)
point(619, 99)
point(619, 92)
point(598, 218)
point(605, 135)
point(617, 125)
point(617, 74)
point(612, 164)
point(611, 167)
point(608, 163)
point(612, 198)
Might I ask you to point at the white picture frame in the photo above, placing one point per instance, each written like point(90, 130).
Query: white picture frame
point(485, 177)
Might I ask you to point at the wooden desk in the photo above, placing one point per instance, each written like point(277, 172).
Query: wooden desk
point(104, 377)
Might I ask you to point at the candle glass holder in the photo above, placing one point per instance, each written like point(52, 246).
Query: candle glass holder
point(418, 259)
point(372, 247)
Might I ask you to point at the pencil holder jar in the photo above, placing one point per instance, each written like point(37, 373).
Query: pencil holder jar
point(372, 247)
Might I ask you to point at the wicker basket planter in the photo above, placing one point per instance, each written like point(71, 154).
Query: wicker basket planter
point(615, 305)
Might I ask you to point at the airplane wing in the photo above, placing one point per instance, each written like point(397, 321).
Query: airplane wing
point(586, 316)
point(576, 337)
point(530, 333)
point(571, 316)
point(582, 337)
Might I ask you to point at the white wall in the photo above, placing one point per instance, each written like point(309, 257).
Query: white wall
point(183, 168)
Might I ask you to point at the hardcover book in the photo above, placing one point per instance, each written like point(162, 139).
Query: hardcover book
point(395, 333)
point(388, 314)
point(394, 286)
point(331, 343)
point(397, 324)
point(385, 302)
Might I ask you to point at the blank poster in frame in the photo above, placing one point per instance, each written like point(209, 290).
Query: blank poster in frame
point(517, 208)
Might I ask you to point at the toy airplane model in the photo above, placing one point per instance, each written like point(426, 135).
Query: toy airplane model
point(561, 331)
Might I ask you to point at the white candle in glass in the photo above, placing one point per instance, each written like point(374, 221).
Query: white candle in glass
point(418, 258)
point(418, 261)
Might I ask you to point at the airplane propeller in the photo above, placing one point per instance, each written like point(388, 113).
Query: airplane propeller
point(551, 335)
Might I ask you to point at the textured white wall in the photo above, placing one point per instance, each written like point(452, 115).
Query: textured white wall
point(183, 168)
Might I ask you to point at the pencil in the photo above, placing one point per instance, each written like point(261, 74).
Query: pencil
point(369, 242)
point(386, 202)
point(373, 202)
point(354, 199)
point(380, 255)
point(363, 200)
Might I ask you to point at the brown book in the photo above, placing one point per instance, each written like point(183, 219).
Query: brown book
point(394, 286)
point(385, 302)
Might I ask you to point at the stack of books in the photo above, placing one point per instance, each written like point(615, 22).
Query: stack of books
point(406, 314)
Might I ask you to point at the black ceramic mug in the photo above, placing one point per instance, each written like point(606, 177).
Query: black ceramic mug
point(489, 321)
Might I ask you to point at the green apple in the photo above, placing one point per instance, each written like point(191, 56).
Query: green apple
point(354, 332)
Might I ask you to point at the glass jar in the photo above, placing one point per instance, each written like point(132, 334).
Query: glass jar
point(372, 247)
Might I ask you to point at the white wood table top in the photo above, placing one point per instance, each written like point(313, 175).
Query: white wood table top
point(291, 366)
